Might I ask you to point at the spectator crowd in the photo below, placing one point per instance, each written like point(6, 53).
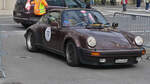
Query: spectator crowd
point(123, 3)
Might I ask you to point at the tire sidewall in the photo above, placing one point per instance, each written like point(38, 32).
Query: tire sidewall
point(30, 36)
point(75, 59)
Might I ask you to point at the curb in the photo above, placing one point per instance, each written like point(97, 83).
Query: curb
point(6, 12)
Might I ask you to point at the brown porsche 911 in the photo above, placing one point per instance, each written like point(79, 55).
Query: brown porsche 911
point(84, 36)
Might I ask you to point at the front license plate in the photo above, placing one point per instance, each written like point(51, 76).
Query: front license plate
point(121, 60)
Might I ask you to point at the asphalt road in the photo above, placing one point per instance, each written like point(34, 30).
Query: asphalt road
point(23, 67)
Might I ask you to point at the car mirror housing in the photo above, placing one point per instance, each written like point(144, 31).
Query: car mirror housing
point(114, 25)
point(55, 24)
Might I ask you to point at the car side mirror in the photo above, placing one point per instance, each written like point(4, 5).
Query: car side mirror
point(55, 25)
point(114, 25)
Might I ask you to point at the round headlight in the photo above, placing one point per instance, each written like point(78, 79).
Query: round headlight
point(91, 41)
point(139, 40)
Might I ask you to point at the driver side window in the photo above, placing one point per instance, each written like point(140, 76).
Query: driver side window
point(51, 18)
point(54, 18)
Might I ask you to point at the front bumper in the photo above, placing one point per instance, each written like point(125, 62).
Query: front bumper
point(110, 56)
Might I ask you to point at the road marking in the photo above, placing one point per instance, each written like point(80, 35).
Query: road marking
point(6, 17)
point(141, 31)
point(8, 24)
point(5, 34)
point(106, 12)
point(21, 31)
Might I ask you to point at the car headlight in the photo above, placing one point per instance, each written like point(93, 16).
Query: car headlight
point(139, 40)
point(91, 41)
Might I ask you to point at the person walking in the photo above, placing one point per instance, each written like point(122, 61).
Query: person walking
point(113, 2)
point(124, 4)
point(103, 2)
point(92, 2)
point(28, 5)
point(39, 7)
point(147, 5)
point(138, 3)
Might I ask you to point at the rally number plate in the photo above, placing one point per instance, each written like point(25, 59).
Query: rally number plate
point(121, 60)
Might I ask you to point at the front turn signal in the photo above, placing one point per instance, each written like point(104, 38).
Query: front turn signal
point(143, 52)
point(95, 54)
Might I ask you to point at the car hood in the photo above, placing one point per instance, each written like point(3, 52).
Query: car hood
point(107, 39)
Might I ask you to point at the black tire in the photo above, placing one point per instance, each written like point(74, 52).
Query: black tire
point(25, 25)
point(29, 42)
point(72, 56)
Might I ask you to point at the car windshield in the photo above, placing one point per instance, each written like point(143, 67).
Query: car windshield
point(83, 18)
point(68, 3)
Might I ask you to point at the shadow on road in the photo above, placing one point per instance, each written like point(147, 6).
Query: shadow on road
point(12, 83)
point(108, 67)
point(62, 59)
point(53, 55)
point(19, 27)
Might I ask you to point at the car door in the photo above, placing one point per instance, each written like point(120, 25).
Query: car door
point(51, 30)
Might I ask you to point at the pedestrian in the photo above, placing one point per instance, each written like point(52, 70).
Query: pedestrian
point(124, 4)
point(92, 2)
point(39, 7)
point(113, 2)
point(147, 5)
point(138, 4)
point(28, 5)
point(103, 2)
point(88, 3)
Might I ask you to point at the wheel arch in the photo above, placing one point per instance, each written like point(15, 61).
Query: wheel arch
point(35, 33)
point(27, 31)
point(75, 41)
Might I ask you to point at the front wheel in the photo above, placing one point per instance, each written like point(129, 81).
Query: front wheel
point(72, 57)
point(29, 42)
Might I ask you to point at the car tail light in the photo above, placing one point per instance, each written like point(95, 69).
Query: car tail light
point(95, 54)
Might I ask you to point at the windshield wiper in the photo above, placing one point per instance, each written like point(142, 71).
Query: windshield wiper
point(97, 26)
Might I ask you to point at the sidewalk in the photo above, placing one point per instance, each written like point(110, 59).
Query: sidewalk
point(5, 12)
point(130, 9)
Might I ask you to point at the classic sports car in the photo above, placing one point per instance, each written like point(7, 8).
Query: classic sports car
point(84, 36)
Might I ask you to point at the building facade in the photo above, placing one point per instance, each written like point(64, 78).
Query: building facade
point(7, 4)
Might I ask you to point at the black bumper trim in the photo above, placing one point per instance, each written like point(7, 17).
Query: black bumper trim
point(110, 56)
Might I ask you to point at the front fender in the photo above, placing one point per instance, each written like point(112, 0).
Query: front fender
point(75, 39)
point(79, 40)
point(35, 29)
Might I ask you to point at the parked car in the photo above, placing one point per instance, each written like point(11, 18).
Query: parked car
point(84, 36)
point(27, 18)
